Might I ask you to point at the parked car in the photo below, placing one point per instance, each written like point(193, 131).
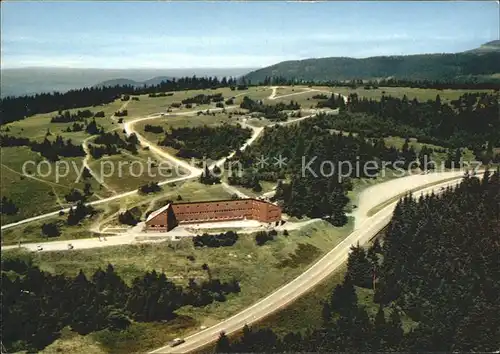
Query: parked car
point(176, 342)
point(39, 248)
point(70, 246)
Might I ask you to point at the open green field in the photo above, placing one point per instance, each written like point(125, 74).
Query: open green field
point(438, 156)
point(360, 184)
point(193, 191)
point(286, 90)
point(32, 232)
point(305, 313)
point(260, 270)
point(45, 191)
point(188, 191)
point(150, 105)
point(180, 121)
point(259, 122)
point(36, 127)
point(255, 93)
point(212, 119)
point(305, 99)
point(43, 194)
point(420, 94)
point(266, 187)
point(125, 172)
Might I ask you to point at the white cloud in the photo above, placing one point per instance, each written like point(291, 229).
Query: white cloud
point(96, 39)
point(143, 61)
point(115, 50)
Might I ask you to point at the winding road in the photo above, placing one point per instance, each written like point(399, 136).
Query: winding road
point(128, 127)
point(273, 96)
point(88, 155)
point(365, 228)
point(300, 285)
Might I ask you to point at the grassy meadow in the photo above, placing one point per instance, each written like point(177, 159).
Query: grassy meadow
point(149, 105)
point(108, 213)
point(411, 93)
point(260, 270)
point(305, 313)
point(178, 121)
point(438, 156)
point(36, 127)
point(126, 171)
point(48, 194)
point(44, 191)
point(304, 98)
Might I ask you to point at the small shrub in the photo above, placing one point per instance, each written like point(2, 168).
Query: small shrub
point(262, 237)
point(51, 229)
point(128, 218)
point(226, 239)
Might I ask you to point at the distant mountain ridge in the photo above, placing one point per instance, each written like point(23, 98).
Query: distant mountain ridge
point(32, 80)
point(480, 63)
point(151, 82)
point(493, 46)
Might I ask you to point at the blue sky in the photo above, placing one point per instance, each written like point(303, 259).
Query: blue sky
point(234, 34)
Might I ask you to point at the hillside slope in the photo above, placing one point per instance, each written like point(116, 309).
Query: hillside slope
point(481, 62)
point(151, 82)
point(120, 82)
point(493, 46)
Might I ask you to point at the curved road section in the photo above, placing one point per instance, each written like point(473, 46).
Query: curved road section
point(192, 171)
point(303, 283)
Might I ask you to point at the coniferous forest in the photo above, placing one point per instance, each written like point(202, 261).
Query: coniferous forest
point(51, 150)
point(205, 141)
point(436, 267)
point(17, 108)
point(103, 301)
point(469, 121)
point(315, 188)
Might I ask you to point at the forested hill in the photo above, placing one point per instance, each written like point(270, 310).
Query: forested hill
point(493, 46)
point(435, 280)
point(479, 63)
point(17, 108)
point(127, 82)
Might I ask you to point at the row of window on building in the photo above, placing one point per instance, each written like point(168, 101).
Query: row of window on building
point(180, 213)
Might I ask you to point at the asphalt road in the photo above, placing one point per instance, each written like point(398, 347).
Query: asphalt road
point(281, 297)
point(369, 199)
point(193, 171)
point(297, 287)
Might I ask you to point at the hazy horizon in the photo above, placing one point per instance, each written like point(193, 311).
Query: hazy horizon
point(57, 46)
point(20, 81)
point(182, 35)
